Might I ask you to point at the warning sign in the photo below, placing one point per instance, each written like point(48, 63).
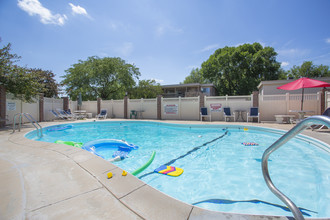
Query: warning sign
point(11, 106)
point(215, 107)
point(171, 109)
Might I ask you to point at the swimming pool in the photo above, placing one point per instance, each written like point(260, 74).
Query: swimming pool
point(220, 173)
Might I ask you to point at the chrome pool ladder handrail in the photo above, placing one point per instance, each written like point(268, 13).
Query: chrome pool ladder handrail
point(324, 120)
point(30, 119)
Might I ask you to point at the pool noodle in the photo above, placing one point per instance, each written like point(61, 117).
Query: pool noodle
point(137, 171)
point(71, 143)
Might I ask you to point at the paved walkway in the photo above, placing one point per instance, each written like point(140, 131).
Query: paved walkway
point(40, 180)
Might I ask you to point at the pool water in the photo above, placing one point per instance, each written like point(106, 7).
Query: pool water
point(220, 173)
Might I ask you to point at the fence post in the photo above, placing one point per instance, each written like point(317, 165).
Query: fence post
point(180, 108)
point(2, 106)
point(201, 100)
point(255, 99)
point(65, 103)
point(98, 105)
point(159, 107)
point(125, 106)
point(323, 97)
point(41, 107)
point(287, 102)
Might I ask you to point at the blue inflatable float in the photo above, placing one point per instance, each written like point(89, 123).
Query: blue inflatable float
point(102, 147)
point(59, 127)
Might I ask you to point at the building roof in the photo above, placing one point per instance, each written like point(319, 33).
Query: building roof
point(187, 85)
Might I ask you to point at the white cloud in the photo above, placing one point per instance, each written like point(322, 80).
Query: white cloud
point(113, 25)
point(292, 52)
point(77, 9)
point(126, 49)
point(209, 47)
point(34, 7)
point(165, 28)
point(327, 40)
point(160, 81)
point(284, 64)
point(118, 26)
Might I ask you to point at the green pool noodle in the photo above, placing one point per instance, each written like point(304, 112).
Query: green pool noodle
point(71, 143)
point(136, 172)
point(78, 144)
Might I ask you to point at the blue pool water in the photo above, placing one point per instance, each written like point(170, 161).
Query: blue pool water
point(220, 173)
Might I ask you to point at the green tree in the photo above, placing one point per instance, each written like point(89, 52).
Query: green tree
point(146, 89)
point(239, 70)
point(107, 78)
point(7, 61)
point(24, 83)
point(308, 69)
point(282, 74)
point(195, 77)
point(47, 81)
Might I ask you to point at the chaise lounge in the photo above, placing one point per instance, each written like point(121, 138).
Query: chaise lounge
point(227, 114)
point(103, 114)
point(203, 113)
point(254, 113)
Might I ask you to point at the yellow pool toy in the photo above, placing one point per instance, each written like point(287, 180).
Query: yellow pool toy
point(124, 173)
point(109, 175)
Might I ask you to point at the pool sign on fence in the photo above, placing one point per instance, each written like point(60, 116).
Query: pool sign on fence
point(215, 107)
point(11, 106)
point(171, 109)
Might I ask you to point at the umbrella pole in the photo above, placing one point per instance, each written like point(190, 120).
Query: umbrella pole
point(302, 99)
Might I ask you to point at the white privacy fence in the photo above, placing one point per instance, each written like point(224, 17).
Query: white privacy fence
point(180, 108)
point(147, 107)
point(73, 105)
point(51, 104)
point(187, 108)
point(89, 106)
point(271, 105)
point(235, 103)
point(115, 108)
point(14, 106)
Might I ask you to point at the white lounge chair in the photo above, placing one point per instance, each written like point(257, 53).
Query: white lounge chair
point(319, 127)
point(103, 114)
point(65, 115)
point(254, 113)
point(57, 115)
point(203, 113)
point(227, 114)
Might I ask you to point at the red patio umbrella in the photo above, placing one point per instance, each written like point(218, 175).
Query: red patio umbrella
point(302, 83)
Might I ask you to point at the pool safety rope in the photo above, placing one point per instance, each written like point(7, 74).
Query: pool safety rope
point(250, 144)
point(189, 152)
point(195, 149)
point(227, 201)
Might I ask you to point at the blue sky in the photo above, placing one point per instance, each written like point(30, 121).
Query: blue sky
point(164, 39)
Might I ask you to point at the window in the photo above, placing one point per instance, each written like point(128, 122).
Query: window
point(206, 90)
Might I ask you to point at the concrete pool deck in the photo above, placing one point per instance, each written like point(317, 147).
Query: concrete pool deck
point(41, 180)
